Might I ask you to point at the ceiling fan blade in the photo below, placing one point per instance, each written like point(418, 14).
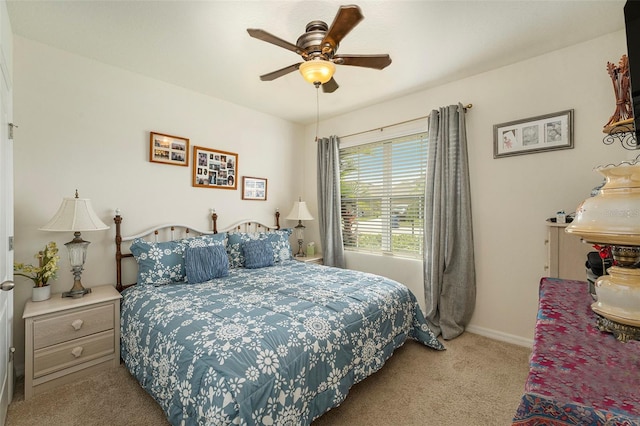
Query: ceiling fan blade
point(330, 86)
point(368, 61)
point(270, 38)
point(279, 73)
point(346, 19)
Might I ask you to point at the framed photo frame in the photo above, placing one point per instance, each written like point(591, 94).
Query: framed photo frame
point(213, 168)
point(536, 134)
point(254, 188)
point(168, 149)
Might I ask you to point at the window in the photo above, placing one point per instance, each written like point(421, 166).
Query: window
point(382, 187)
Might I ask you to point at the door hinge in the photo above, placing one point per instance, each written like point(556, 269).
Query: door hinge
point(10, 243)
point(12, 352)
point(11, 127)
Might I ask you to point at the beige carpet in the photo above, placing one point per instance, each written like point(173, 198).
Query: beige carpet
point(476, 381)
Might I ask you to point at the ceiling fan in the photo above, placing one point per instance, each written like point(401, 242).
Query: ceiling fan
point(318, 47)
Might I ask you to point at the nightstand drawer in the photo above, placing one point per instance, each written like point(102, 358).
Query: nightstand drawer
point(65, 355)
point(80, 323)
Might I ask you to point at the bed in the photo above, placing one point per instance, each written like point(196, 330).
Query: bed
point(266, 341)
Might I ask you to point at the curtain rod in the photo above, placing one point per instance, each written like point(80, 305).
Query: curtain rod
point(466, 107)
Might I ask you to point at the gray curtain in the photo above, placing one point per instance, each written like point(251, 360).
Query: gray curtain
point(329, 201)
point(449, 269)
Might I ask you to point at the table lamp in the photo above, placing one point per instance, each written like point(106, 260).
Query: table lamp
point(612, 217)
point(299, 212)
point(76, 215)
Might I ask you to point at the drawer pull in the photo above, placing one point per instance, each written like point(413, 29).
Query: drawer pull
point(77, 324)
point(77, 351)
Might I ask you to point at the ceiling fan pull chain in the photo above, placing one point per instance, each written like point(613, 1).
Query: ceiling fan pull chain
point(317, 109)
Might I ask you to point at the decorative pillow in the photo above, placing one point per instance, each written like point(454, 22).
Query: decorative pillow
point(205, 263)
point(206, 240)
point(257, 253)
point(234, 240)
point(280, 243)
point(159, 263)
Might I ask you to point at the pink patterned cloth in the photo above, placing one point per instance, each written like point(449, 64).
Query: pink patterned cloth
point(578, 375)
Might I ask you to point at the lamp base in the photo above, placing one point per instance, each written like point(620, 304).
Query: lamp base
point(76, 294)
point(300, 252)
point(621, 332)
point(78, 289)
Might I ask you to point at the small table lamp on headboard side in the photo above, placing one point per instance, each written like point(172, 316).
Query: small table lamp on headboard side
point(299, 212)
point(76, 215)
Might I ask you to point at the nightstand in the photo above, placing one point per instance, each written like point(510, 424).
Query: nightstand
point(317, 258)
point(66, 338)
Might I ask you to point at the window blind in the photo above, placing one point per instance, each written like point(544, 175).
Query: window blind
point(382, 189)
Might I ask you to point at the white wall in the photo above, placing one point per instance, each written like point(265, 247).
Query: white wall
point(511, 197)
point(86, 125)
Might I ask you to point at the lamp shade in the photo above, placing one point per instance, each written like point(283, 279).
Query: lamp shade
point(317, 71)
point(77, 215)
point(299, 212)
point(612, 216)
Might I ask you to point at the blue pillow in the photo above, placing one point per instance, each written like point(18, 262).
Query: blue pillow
point(280, 243)
point(206, 240)
point(257, 254)
point(234, 249)
point(159, 263)
point(205, 263)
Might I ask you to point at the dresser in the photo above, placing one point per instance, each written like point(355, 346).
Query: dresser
point(578, 375)
point(67, 339)
point(566, 253)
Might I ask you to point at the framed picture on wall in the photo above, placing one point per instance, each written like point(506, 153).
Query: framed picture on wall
point(254, 188)
point(168, 149)
point(537, 134)
point(214, 168)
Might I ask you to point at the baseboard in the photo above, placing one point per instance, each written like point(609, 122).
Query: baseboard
point(498, 335)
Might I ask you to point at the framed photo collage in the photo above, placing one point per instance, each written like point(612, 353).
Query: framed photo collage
point(212, 168)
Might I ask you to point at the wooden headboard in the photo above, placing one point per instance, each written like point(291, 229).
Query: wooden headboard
point(170, 232)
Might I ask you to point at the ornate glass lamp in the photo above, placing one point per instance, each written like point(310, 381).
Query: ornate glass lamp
point(612, 217)
point(76, 215)
point(299, 212)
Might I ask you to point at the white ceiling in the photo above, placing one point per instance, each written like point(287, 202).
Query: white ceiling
point(204, 46)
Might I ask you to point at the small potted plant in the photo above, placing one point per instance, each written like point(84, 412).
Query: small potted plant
point(46, 270)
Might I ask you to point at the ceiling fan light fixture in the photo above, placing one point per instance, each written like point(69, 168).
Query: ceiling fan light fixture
point(317, 71)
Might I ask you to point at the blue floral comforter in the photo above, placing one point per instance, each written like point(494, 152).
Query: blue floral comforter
point(270, 346)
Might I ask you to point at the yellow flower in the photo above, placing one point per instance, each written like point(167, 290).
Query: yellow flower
point(47, 266)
